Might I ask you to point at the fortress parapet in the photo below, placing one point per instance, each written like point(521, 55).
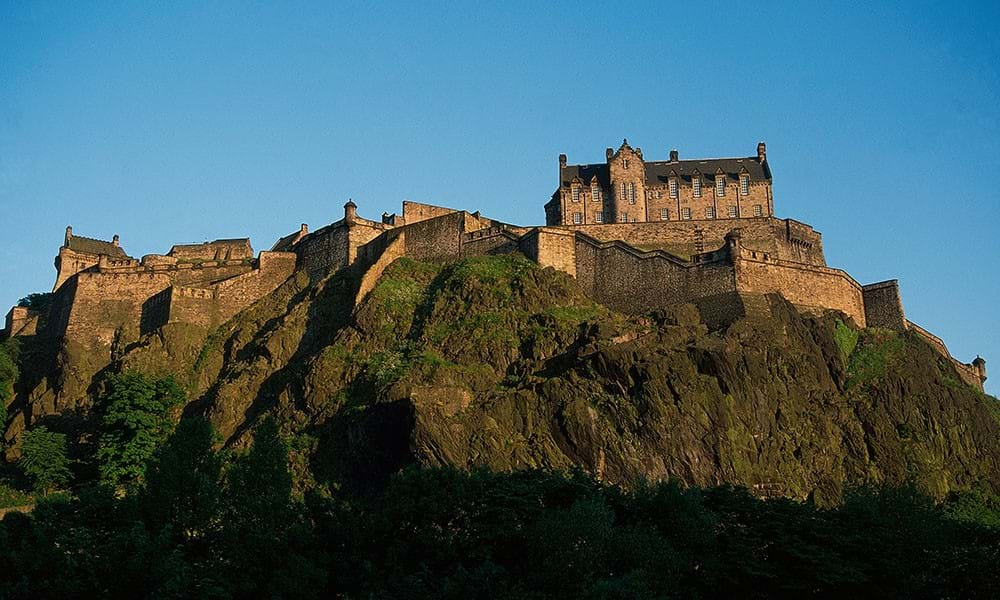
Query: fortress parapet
point(636, 235)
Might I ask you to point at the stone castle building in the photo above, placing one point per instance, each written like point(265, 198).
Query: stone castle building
point(627, 189)
point(636, 235)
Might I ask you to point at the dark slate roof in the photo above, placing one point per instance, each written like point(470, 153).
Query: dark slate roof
point(658, 171)
point(286, 242)
point(224, 243)
point(87, 245)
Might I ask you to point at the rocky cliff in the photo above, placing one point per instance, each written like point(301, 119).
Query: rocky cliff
point(494, 361)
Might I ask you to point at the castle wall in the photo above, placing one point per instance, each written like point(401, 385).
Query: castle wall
point(883, 305)
point(69, 263)
point(493, 240)
point(233, 295)
point(809, 287)
point(217, 250)
point(381, 256)
point(783, 238)
point(195, 306)
point(632, 281)
point(21, 321)
point(414, 212)
point(325, 250)
point(437, 238)
point(104, 302)
point(550, 247)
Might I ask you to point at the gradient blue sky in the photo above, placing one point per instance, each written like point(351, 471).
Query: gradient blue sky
point(182, 122)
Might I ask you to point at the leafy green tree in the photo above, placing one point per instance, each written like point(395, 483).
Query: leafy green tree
point(44, 460)
point(264, 534)
point(8, 375)
point(36, 301)
point(135, 420)
point(182, 484)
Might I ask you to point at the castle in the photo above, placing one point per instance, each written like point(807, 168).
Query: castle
point(637, 236)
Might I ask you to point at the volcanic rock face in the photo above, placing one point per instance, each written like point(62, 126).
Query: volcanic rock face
point(493, 361)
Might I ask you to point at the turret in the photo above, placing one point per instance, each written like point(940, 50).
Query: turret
point(980, 366)
point(350, 212)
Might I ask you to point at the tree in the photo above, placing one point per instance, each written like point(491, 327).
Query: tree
point(265, 539)
point(43, 459)
point(182, 484)
point(8, 375)
point(135, 420)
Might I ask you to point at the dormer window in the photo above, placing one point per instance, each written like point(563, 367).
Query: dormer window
point(744, 185)
point(720, 185)
point(673, 187)
point(696, 185)
point(576, 193)
point(595, 193)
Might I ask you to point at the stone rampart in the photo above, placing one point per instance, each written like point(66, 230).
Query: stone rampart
point(237, 293)
point(387, 253)
point(497, 239)
point(104, 302)
point(551, 247)
point(633, 281)
point(782, 238)
point(883, 305)
point(809, 287)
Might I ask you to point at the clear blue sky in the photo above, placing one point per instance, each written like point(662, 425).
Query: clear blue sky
point(179, 122)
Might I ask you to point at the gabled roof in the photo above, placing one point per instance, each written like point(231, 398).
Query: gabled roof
point(87, 245)
point(658, 171)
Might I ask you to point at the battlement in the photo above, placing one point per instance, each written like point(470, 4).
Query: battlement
point(700, 232)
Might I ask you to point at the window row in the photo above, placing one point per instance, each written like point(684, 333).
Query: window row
point(628, 189)
point(685, 214)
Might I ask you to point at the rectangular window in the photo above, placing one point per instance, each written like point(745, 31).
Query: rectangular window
point(623, 196)
point(577, 218)
point(625, 164)
point(733, 212)
point(745, 185)
point(631, 193)
point(696, 185)
point(720, 185)
point(599, 216)
point(673, 187)
point(758, 210)
point(596, 194)
point(709, 212)
point(664, 214)
point(624, 218)
point(576, 194)
point(686, 214)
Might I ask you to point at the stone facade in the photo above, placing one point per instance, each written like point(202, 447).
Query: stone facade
point(627, 189)
point(652, 256)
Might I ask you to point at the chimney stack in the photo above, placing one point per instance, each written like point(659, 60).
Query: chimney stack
point(562, 161)
point(608, 152)
point(114, 240)
point(69, 235)
point(673, 155)
point(761, 152)
point(303, 229)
